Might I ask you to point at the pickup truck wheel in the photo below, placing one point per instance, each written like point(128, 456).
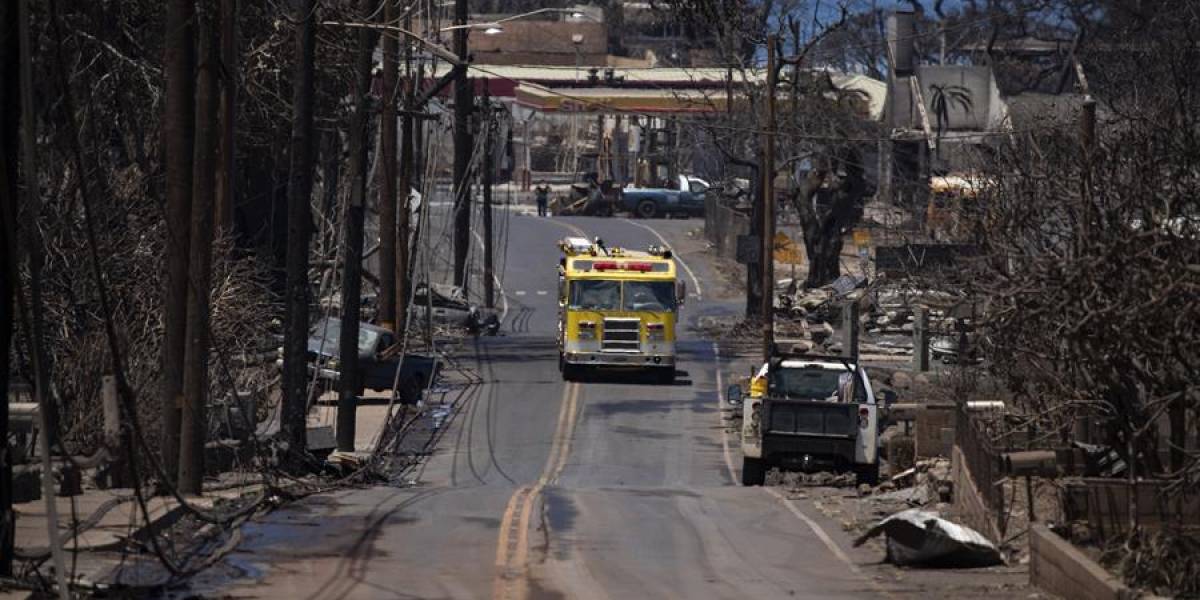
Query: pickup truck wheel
point(647, 209)
point(868, 474)
point(753, 472)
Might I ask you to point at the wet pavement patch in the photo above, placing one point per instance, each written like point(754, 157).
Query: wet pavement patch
point(560, 510)
point(488, 522)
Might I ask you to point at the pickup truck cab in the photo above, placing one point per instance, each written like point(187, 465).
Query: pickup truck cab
point(686, 198)
point(809, 413)
point(377, 364)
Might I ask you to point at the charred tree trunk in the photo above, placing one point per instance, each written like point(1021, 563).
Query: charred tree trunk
point(299, 217)
point(824, 229)
point(387, 177)
point(178, 121)
point(194, 424)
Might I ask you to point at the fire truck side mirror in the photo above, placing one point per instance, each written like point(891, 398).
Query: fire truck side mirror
point(681, 292)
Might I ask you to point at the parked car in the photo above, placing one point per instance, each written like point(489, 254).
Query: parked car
point(686, 199)
point(378, 362)
point(451, 308)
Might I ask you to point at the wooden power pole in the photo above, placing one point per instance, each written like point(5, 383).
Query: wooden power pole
point(403, 254)
point(768, 208)
point(387, 176)
point(352, 279)
point(294, 421)
point(178, 121)
point(462, 150)
point(194, 425)
point(487, 129)
point(9, 135)
point(229, 64)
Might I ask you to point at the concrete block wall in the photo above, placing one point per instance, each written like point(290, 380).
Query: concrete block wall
point(934, 431)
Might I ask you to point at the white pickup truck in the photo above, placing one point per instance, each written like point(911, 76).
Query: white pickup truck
point(811, 413)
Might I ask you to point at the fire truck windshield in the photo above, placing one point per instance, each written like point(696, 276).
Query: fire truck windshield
point(594, 294)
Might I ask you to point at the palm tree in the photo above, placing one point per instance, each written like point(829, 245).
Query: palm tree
point(943, 98)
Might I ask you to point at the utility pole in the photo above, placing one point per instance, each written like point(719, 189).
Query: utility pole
point(352, 278)
point(387, 175)
point(403, 255)
point(462, 150)
point(768, 209)
point(178, 122)
point(225, 174)
point(194, 425)
point(9, 136)
point(294, 418)
point(489, 282)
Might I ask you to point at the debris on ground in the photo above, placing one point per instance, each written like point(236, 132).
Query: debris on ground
point(920, 538)
point(795, 479)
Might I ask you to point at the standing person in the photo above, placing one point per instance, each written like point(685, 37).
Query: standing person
point(542, 193)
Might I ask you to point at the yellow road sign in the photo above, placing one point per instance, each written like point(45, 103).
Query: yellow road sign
point(788, 251)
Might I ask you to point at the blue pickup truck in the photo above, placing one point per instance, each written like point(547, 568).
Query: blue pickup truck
point(686, 199)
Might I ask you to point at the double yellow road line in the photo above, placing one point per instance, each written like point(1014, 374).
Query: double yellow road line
point(512, 549)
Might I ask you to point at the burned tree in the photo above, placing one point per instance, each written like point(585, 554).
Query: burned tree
point(1090, 236)
point(820, 124)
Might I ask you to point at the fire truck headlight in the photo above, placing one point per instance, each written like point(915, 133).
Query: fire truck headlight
point(587, 330)
point(655, 332)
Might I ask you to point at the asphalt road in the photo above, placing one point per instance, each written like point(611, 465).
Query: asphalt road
point(539, 489)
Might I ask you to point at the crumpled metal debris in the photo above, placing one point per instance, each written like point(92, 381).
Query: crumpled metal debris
point(439, 414)
point(918, 537)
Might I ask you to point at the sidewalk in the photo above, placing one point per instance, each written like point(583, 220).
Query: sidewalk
point(107, 520)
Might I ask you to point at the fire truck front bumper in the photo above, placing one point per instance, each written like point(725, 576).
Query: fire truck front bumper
point(615, 359)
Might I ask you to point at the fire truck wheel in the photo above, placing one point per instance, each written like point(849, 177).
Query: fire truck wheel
point(753, 472)
point(665, 376)
point(571, 372)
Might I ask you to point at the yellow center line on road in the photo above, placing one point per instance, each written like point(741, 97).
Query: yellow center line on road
point(511, 580)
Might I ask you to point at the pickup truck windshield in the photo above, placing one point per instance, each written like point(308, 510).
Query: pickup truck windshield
point(330, 330)
point(813, 383)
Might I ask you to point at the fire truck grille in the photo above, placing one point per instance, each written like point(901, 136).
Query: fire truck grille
point(621, 335)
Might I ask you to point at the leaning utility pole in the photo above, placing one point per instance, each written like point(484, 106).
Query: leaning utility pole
point(194, 424)
point(768, 208)
point(179, 64)
point(387, 176)
point(352, 278)
point(462, 150)
point(489, 281)
point(293, 420)
point(406, 184)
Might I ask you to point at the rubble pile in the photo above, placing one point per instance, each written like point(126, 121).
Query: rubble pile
point(794, 480)
point(887, 313)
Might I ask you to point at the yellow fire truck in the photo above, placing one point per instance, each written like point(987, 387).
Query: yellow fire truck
point(617, 308)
